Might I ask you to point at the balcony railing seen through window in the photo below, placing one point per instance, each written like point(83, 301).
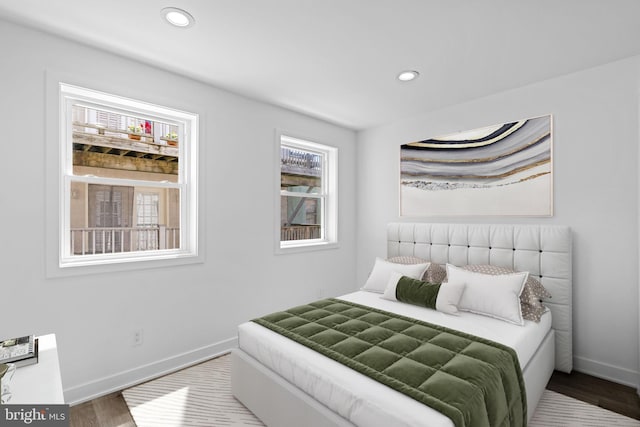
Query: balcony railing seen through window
point(104, 240)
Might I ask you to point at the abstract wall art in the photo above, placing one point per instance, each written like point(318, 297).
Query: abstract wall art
point(504, 169)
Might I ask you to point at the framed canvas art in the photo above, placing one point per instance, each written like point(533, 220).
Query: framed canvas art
point(505, 169)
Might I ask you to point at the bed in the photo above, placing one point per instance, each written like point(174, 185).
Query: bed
point(287, 384)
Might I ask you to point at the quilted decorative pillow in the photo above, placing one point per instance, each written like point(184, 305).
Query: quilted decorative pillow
point(533, 292)
point(435, 272)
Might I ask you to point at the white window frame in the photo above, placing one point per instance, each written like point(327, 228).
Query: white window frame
point(187, 176)
point(328, 193)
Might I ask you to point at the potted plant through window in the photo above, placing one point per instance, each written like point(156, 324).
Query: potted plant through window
point(171, 138)
point(135, 131)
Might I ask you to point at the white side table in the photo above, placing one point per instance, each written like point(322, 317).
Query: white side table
point(40, 383)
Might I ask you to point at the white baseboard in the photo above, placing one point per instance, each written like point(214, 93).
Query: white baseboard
point(103, 386)
point(607, 372)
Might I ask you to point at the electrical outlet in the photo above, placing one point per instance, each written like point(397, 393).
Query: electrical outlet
point(137, 337)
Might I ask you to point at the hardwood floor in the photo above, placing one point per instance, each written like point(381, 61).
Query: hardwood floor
point(112, 411)
point(605, 394)
point(107, 411)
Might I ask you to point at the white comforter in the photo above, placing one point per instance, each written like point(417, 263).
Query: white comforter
point(364, 401)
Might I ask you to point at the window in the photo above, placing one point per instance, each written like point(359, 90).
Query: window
point(128, 174)
point(308, 194)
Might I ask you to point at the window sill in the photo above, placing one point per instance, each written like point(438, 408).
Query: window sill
point(306, 247)
point(79, 269)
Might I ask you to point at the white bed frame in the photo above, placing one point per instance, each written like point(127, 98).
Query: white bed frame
point(544, 251)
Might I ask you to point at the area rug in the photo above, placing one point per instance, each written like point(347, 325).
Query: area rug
point(200, 396)
point(558, 410)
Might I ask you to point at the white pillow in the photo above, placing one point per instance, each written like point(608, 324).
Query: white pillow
point(392, 284)
point(494, 296)
point(449, 296)
point(381, 273)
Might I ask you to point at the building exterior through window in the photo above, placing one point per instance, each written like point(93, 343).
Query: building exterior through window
point(301, 203)
point(123, 218)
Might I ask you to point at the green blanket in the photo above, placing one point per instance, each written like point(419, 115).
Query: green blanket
point(473, 381)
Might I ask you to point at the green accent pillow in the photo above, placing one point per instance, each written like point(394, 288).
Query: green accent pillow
point(417, 292)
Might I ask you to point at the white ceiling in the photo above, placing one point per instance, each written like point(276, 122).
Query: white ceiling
point(338, 59)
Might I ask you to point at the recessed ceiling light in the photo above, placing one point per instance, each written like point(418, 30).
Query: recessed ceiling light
point(407, 76)
point(177, 17)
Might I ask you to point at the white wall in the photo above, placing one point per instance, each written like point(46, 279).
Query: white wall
point(595, 143)
point(187, 312)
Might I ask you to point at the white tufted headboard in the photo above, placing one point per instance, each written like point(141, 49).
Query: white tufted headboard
point(544, 251)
